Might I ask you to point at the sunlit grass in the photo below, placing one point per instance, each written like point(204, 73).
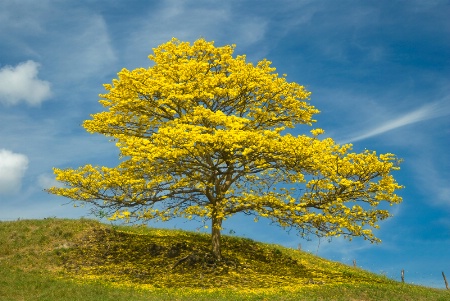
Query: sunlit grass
point(153, 258)
point(39, 259)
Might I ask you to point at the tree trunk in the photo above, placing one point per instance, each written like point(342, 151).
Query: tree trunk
point(215, 236)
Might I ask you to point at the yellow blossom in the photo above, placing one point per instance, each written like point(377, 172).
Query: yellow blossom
point(200, 133)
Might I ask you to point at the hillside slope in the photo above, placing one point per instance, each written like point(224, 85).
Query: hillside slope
point(60, 254)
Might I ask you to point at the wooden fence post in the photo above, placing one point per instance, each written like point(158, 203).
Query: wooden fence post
point(403, 276)
point(445, 280)
point(354, 263)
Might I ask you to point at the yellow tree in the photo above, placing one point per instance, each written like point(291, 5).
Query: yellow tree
point(203, 134)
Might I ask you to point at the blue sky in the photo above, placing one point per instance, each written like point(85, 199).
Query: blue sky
point(379, 72)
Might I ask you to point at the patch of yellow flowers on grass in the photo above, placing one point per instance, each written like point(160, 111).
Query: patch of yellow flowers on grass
point(146, 261)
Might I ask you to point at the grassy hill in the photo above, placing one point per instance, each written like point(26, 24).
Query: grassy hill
point(59, 259)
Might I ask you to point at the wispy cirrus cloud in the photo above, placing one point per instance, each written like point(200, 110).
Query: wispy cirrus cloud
point(426, 112)
point(189, 21)
point(431, 174)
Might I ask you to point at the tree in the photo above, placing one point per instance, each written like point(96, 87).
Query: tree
point(204, 134)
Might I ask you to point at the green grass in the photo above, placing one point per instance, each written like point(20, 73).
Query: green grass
point(59, 259)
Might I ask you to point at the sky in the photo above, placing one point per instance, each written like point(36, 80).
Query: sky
point(379, 72)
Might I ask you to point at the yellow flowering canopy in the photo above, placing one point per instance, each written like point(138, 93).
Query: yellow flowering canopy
point(202, 134)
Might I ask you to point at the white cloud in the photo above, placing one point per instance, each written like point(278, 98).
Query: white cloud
point(21, 83)
point(429, 111)
point(12, 170)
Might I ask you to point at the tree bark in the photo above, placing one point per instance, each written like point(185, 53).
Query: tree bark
point(215, 236)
